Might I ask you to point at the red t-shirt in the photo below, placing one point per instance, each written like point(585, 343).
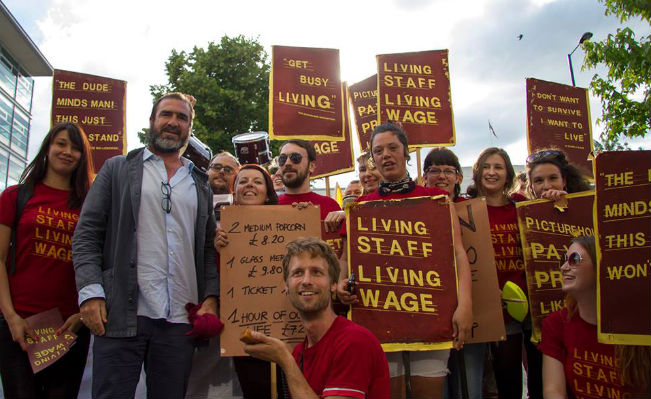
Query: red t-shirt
point(347, 361)
point(326, 205)
point(506, 244)
point(44, 276)
point(590, 370)
point(418, 191)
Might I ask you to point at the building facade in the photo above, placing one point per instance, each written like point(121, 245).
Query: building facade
point(20, 60)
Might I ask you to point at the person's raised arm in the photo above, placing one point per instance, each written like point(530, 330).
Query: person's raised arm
point(462, 318)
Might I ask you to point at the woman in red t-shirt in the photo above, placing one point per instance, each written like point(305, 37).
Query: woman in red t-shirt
point(251, 186)
point(493, 176)
point(573, 361)
point(43, 277)
point(427, 369)
point(551, 176)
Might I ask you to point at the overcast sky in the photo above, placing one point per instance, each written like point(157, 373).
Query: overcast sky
point(131, 40)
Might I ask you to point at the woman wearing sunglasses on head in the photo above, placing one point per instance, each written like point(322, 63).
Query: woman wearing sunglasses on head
point(493, 176)
point(42, 277)
point(389, 149)
point(574, 363)
point(551, 176)
point(252, 186)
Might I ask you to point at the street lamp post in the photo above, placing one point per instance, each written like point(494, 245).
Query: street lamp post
point(586, 36)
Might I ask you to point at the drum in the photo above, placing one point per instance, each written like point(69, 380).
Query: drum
point(198, 153)
point(252, 147)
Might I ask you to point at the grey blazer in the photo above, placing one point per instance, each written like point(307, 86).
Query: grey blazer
point(104, 247)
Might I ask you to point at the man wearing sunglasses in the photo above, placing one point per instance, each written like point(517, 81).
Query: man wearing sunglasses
point(297, 161)
point(221, 172)
point(142, 250)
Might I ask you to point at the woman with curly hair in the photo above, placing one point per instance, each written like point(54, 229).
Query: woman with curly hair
point(551, 176)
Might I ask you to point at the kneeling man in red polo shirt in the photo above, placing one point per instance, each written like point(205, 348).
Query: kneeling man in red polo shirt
point(338, 358)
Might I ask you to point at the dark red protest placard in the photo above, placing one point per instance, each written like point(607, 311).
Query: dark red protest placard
point(545, 233)
point(414, 89)
point(402, 254)
point(98, 105)
point(334, 157)
point(306, 97)
point(623, 221)
point(558, 116)
point(363, 97)
point(48, 347)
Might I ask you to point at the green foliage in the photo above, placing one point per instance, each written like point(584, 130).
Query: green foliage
point(142, 136)
point(626, 90)
point(230, 83)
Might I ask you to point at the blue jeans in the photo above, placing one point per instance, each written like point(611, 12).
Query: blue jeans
point(163, 347)
point(473, 358)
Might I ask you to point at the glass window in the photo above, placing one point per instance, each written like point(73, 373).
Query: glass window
point(6, 119)
point(7, 75)
point(4, 163)
point(20, 132)
point(24, 91)
point(16, 168)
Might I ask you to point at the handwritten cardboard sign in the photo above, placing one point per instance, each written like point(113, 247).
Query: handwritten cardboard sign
point(402, 254)
point(48, 347)
point(558, 116)
point(306, 97)
point(545, 234)
point(334, 157)
point(488, 325)
point(98, 105)
point(251, 273)
point(622, 217)
point(363, 97)
point(414, 89)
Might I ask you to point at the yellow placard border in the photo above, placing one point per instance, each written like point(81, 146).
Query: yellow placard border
point(406, 346)
point(602, 337)
point(536, 334)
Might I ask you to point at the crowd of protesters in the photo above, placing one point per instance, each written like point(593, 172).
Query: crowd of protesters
point(139, 271)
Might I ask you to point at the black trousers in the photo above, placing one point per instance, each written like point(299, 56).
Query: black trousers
point(59, 380)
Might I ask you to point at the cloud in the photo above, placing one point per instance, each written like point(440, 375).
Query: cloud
point(131, 40)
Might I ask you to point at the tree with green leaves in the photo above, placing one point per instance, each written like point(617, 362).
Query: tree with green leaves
point(230, 82)
point(626, 90)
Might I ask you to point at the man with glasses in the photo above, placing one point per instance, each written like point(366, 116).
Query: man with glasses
point(142, 251)
point(297, 161)
point(222, 171)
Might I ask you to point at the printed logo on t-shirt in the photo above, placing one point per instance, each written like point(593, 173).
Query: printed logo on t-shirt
point(53, 233)
point(596, 375)
point(506, 244)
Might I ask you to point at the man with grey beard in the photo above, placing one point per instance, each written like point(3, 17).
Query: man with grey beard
point(142, 250)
